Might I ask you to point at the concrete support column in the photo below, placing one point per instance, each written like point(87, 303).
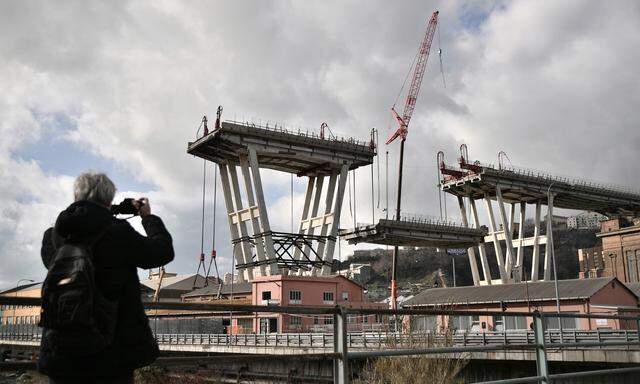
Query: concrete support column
point(262, 206)
point(471, 250)
point(535, 259)
point(481, 247)
point(314, 212)
point(496, 241)
point(335, 224)
point(242, 226)
point(228, 200)
point(549, 247)
point(324, 227)
point(507, 230)
point(255, 219)
point(520, 257)
point(297, 253)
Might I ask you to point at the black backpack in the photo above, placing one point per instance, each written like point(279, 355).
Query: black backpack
point(77, 318)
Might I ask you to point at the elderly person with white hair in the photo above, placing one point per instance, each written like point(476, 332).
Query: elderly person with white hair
point(69, 352)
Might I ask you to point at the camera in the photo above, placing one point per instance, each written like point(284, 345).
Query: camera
point(126, 207)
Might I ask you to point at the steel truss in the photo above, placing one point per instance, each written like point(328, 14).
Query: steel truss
point(286, 246)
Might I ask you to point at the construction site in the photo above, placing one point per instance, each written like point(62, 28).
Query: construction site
point(287, 295)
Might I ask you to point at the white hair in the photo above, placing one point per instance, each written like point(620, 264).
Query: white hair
point(95, 187)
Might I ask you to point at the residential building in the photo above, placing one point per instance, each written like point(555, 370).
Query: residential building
point(585, 220)
point(173, 287)
point(558, 222)
point(605, 295)
point(21, 314)
point(316, 291)
point(358, 272)
point(618, 255)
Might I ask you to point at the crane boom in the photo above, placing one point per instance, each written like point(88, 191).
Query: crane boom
point(410, 103)
point(416, 81)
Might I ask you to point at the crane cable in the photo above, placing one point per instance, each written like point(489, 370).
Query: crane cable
point(406, 78)
point(444, 83)
point(204, 190)
point(378, 166)
point(213, 236)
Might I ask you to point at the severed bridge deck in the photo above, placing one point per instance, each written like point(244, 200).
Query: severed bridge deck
point(415, 232)
point(301, 153)
point(525, 185)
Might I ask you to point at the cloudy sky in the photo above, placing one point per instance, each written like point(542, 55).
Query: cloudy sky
point(121, 86)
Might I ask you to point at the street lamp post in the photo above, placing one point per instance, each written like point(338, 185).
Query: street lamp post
point(16, 295)
point(553, 256)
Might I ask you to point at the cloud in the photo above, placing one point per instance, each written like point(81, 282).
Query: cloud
point(552, 83)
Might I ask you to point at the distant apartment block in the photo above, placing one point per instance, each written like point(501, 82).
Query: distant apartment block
point(586, 220)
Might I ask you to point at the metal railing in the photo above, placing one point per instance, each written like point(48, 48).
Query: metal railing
point(553, 178)
point(345, 346)
point(301, 132)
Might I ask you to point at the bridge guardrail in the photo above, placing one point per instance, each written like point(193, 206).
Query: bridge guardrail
point(543, 339)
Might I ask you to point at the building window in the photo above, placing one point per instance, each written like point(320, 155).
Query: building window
point(461, 323)
point(266, 295)
point(475, 323)
point(295, 297)
point(498, 323)
point(328, 320)
point(345, 296)
point(327, 297)
point(316, 321)
point(295, 320)
point(515, 322)
point(631, 267)
point(567, 322)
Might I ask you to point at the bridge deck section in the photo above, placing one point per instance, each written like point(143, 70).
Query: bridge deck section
point(300, 153)
point(414, 233)
point(524, 185)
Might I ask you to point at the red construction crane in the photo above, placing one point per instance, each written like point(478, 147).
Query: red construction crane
point(409, 106)
point(418, 74)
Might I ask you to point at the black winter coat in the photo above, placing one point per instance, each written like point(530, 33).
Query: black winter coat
point(116, 257)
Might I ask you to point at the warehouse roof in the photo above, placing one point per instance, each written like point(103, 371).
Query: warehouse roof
point(533, 291)
point(212, 289)
point(178, 283)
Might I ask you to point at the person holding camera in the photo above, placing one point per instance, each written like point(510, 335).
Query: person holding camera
point(95, 329)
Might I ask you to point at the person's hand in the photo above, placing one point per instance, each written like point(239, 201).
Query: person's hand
point(143, 206)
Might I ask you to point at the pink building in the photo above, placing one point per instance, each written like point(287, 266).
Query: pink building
point(605, 295)
point(316, 291)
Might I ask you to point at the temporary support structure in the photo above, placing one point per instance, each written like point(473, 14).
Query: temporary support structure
point(258, 249)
